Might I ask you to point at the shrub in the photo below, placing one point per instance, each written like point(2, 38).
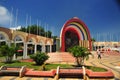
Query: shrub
point(80, 53)
point(8, 52)
point(39, 58)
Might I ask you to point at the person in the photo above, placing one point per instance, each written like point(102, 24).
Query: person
point(99, 54)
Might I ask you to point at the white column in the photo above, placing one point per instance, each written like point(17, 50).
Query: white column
point(35, 48)
point(25, 51)
point(8, 43)
point(43, 48)
point(95, 48)
point(14, 56)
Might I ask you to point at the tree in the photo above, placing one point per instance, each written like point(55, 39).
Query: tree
point(37, 30)
point(48, 34)
point(39, 58)
point(80, 53)
point(8, 52)
point(93, 40)
point(23, 29)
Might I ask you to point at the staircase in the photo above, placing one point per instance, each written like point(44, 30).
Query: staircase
point(60, 57)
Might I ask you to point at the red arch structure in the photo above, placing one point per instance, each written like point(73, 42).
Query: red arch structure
point(78, 29)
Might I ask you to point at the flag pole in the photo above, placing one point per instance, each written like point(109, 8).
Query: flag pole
point(26, 22)
point(30, 24)
point(39, 23)
point(11, 16)
point(16, 18)
point(47, 30)
point(14, 56)
point(37, 26)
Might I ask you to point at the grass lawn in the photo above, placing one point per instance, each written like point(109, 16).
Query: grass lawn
point(34, 66)
point(17, 63)
point(54, 66)
point(49, 66)
point(96, 69)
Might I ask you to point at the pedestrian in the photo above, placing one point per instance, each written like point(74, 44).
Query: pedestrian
point(99, 54)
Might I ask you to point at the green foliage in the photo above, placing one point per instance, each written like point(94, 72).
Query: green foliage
point(54, 66)
point(49, 34)
point(37, 30)
point(49, 66)
point(96, 69)
point(93, 40)
point(23, 29)
point(8, 52)
point(36, 67)
point(39, 58)
point(80, 53)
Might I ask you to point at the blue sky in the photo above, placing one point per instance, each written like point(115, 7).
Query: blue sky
point(102, 17)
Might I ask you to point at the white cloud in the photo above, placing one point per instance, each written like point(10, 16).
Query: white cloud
point(15, 28)
point(5, 16)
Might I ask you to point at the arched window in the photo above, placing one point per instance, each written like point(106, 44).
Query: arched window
point(2, 37)
point(30, 40)
point(17, 38)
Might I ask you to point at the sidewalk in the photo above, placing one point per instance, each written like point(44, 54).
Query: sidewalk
point(108, 61)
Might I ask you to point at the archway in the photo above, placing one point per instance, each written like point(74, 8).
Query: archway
point(4, 38)
point(74, 32)
point(30, 46)
point(48, 47)
point(71, 39)
point(41, 46)
point(19, 42)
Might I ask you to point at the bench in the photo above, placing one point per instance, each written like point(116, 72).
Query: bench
point(70, 72)
point(8, 70)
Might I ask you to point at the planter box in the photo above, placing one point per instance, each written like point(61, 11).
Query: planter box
point(107, 74)
point(41, 73)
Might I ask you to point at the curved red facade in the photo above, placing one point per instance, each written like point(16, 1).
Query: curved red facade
point(76, 26)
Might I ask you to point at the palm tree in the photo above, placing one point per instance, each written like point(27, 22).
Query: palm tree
point(80, 53)
point(8, 52)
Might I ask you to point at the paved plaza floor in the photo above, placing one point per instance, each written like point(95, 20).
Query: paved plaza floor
point(109, 60)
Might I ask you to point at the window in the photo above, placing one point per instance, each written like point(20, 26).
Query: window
point(18, 38)
point(2, 37)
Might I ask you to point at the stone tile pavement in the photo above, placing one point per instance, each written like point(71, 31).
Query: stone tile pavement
point(24, 78)
point(109, 60)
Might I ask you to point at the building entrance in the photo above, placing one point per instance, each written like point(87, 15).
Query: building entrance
point(71, 39)
point(74, 32)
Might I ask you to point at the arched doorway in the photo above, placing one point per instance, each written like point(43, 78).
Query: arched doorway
point(71, 39)
point(48, 47)
point(30, 46)
point(19, 42)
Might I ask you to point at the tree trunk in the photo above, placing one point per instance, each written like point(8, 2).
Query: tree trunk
point(79, 61)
